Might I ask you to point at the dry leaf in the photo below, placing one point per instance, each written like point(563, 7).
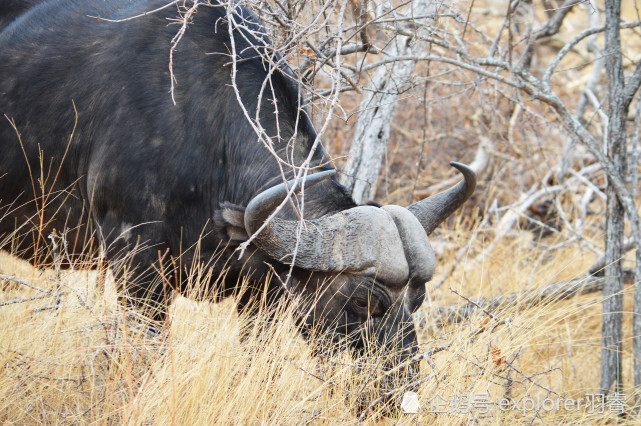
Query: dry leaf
point(496, 355)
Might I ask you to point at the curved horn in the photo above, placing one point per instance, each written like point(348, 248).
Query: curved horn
point(356, 240)
point(435, 209)
point(262, 205)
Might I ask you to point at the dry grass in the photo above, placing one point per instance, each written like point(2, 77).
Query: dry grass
point(89, 361)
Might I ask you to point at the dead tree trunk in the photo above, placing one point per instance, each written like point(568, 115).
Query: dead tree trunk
point(611, 330)
point(369, 146)
point(636, 317)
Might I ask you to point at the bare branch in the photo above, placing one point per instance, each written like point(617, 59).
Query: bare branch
point(548, 294)
point(185, 19)
point(140, 15)
point(632, 85)
point(16, 280)
point(26, 299)
point(576, 40)
point(553, 25)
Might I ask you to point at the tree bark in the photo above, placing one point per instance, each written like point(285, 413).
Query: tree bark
point(369, 146)
point(636, 317)
point(611, 330)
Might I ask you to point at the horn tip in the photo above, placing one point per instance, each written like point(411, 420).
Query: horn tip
point(468, 173)
point(463, 168)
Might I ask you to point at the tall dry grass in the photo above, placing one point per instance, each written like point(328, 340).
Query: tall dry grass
point(80, 357)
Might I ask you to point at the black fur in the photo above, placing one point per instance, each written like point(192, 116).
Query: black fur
point(135, 157)
point(12, 9)
point(99, 142)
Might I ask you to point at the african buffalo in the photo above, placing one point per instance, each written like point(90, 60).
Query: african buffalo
point(94, 141)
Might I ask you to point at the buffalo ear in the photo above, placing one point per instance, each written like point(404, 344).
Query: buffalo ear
point(229, 221)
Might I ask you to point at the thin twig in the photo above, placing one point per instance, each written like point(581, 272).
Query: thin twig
point(18, 281)
point(26, 299)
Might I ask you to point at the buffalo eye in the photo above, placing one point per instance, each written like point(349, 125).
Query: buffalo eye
point(360, 304)
point(364, 306)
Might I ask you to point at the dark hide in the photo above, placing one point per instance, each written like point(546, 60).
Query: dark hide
point(145, 174)
point(12, 9)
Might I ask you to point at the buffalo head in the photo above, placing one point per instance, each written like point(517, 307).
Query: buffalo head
point(362, 270)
